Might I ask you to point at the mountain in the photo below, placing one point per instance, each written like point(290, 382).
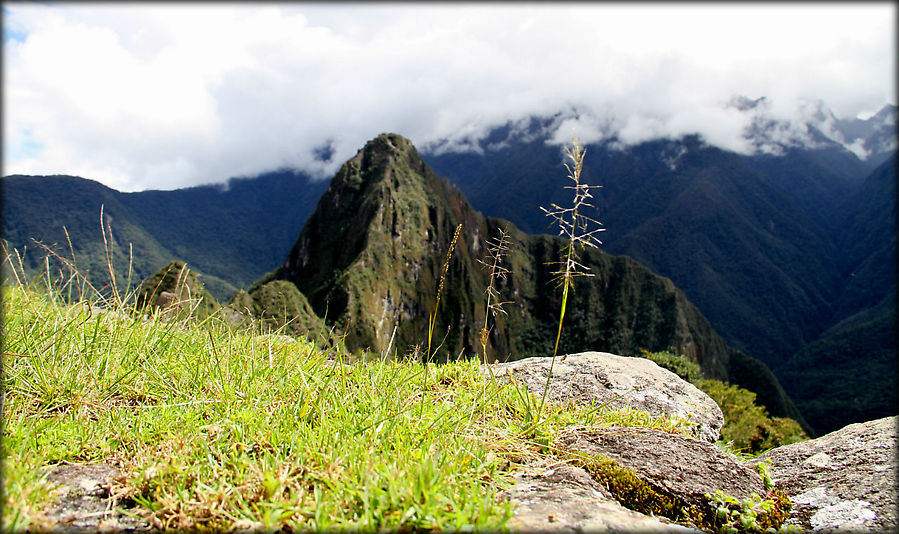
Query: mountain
point(874, 137)
point(849, 372)
point(779, 250)
point(41, 209)
point(370, 257)
point(765, 245)
point(230, 234)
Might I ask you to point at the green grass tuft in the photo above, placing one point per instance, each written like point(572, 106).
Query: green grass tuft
point(219, 428)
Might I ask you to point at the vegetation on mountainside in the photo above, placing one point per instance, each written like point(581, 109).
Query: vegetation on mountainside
point(278, 306)
point(61, 215)
point(748, 428)
point(828, 384)
point(230, 235)
point(849, 373)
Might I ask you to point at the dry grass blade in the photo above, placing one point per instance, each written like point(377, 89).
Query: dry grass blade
point(433, 318)
point(496, 249)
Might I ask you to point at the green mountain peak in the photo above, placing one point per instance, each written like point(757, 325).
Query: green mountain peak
point(370, 257)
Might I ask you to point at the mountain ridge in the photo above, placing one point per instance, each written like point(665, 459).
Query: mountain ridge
point(371, 254)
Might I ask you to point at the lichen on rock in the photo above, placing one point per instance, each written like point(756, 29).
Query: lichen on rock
point(843, 480)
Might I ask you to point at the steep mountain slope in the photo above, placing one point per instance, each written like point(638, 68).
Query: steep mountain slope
point(817, 180)
point(38, 208)
point(743, 251)
point(866, 241)
point(231, 235)
point(370, 257)
point(850, 373)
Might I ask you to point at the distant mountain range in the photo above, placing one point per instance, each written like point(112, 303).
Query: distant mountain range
point(789, 253)
point(231, 234)
point(777, 249)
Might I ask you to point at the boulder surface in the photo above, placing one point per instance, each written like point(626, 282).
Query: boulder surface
point(84, 502)
point(663, 473)
point(844, 480)
point(564, 498)
point(618, 382)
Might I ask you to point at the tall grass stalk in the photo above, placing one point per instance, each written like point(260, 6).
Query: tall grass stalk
point(575, 228)
point(496, 249)
point(432, 320)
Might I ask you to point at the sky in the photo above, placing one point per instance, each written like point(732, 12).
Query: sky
point(162, 96)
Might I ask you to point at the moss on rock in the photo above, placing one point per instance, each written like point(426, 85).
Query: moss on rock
point(188, 294)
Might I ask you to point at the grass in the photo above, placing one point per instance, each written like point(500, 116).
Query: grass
point(432, 320)
point(574, 227)
point(220, 428)
point(497, 248)
point(224, 429)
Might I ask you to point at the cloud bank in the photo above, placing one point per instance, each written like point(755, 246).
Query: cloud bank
point(168, 95)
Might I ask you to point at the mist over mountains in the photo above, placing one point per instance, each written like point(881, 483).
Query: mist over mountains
point(788, 251)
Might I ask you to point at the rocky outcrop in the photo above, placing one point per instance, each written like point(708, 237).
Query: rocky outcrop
point(617, 382)
point(175, 289)
point(843, 480)
point(166, 300)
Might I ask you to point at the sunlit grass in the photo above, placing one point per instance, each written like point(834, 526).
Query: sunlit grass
point(219, 428)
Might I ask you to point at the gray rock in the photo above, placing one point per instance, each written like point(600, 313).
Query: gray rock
point(677, 467)
point(618, 381)
point(563, 498)
point(84, 502)
point(843, 481)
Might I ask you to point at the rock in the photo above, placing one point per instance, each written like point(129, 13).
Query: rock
point(84, 503)
point(619, 382)
point(845, 480)
point(166, 300)
point(563, 498)
point(671, 474)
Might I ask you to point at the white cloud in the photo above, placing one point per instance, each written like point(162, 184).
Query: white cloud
point(169, 95)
